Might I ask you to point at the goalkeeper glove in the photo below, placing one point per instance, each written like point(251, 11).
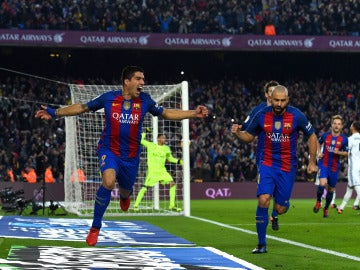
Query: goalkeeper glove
point(148, 129)
point(180, 161)
point(51, 111)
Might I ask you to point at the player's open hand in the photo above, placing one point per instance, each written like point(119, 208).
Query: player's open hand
point(202, 111)
point(43, 113)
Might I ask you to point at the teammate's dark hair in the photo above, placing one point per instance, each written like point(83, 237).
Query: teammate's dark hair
point(128, 72)
point(356, 125)
point(270, 84)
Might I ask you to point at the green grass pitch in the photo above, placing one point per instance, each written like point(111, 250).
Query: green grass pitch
point(305, 240)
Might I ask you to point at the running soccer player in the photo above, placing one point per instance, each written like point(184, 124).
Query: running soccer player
point(119, 145)
point(323, 196)
point(277, 128)
point(334, 144)
point(268, 88)
point(353, 169)
point(157, 155)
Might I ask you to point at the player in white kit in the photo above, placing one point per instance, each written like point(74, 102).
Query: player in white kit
point(353, 168)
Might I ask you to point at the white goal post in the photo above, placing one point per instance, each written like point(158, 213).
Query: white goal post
point(82, 135)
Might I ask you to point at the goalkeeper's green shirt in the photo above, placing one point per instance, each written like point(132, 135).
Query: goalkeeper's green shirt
point(157, 155)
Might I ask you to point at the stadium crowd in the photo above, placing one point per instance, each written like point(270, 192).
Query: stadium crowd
point(214, 154)
point(305, 17)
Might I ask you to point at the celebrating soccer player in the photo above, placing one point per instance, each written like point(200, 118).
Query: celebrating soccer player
point(119, 145)
point(268, 88)
point(277, 128)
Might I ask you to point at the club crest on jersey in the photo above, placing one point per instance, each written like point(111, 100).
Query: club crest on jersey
point(287, 126)
point(126, 105)
point(277, 124)
point(136, 106)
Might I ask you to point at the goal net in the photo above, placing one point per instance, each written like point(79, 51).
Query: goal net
point(82, 135)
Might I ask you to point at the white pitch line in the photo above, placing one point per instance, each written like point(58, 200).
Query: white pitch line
point(302, 224)
point(324, 250)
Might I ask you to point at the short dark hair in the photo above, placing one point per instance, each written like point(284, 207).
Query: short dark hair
point(160, 134)
point(356, 125)
point(270, 84)
point(128, 72)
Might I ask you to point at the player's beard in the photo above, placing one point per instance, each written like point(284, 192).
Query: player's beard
point(278, 110)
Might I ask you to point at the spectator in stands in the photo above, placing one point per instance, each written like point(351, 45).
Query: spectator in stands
point(270, 29)
point(79, 174)
point(10, 175)
point(49, 177)
point(232, 17)
point(165, 21)
point(29, 175)
point(250, 173)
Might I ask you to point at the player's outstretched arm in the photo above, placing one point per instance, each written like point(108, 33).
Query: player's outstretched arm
point(174, 114)
point(47, 113)
point(143, 141)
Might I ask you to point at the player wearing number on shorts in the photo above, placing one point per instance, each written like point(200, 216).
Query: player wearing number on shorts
point(119, 145)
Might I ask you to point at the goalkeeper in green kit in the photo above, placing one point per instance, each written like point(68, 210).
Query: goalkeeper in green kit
point(157, 155)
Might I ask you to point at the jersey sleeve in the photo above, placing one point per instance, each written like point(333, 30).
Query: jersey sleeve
point(154, 108)
point(254, 127)
point(304, 124)
point(96, 103)
point(251, 115)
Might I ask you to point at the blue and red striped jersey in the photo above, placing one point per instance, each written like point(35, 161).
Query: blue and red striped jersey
point(278, 135)
point(330, 143)
point(123, 121)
